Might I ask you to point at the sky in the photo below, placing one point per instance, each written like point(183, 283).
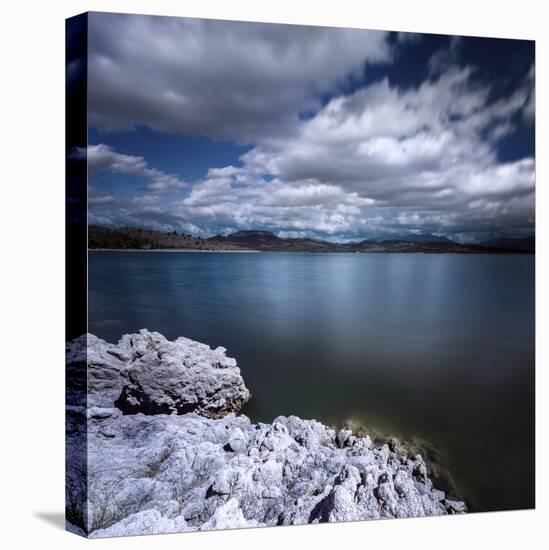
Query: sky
point(209, 127)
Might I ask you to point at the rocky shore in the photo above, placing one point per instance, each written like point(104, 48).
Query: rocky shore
point(167, 450)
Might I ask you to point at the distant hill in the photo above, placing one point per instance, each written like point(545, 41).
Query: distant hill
point(248, 238)
point(134, 238)
point(524, 244)
point(413, 238)
point(268, 242)
point(411, 246)
point(254, 234)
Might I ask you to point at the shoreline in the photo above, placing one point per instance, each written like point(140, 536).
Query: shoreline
point(193, 250)
point(169, 250)
point(436, 459)
point(135, 238)
point(236, 473)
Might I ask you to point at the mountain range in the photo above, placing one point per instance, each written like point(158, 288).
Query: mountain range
point(413, 238)
point(133, 238)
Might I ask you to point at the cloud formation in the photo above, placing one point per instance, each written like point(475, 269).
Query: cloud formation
point(377, 159)
point(219, 79)
point(102, 158)
point(418, 148)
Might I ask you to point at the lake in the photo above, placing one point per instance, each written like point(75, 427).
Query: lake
point(435, 347)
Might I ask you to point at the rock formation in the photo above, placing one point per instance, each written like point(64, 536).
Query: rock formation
point(145, 373)
point(167, 451)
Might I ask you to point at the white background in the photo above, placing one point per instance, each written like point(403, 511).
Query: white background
point(32, 270)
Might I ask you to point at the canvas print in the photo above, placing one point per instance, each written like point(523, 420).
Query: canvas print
point(300, 274)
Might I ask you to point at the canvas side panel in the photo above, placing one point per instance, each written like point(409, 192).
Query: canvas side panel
point(76, 467)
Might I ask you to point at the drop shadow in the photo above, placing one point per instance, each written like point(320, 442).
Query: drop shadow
point(56, 519)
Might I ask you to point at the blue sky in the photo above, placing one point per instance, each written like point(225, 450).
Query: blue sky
point(210, 127)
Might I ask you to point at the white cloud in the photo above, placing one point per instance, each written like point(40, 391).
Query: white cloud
point(102, 158)
point(503, 180)
point(97, 198)
point(146, 200)
point(101, 199)
point(422, 148)
point(227, 171)
point(220, 79)
point(530, 106)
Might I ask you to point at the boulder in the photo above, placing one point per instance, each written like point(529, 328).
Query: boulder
point(146, 373)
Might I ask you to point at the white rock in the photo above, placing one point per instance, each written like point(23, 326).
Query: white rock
point(227, 516)
point(237, 440)
point(148, 522)
point(179, 472)
point(146, 373)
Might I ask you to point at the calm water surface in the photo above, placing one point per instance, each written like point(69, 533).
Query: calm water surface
point(439, 347)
